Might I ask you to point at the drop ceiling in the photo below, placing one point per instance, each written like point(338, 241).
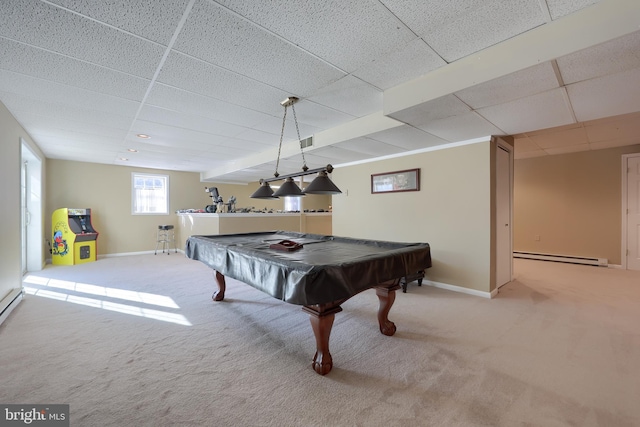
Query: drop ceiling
point(204, 79)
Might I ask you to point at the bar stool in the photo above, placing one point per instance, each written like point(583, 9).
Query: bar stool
point(166, 236)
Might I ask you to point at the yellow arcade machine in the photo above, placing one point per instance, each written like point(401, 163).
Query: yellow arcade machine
point(74, 238)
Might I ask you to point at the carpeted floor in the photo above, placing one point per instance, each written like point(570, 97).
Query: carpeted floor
point(137, 341)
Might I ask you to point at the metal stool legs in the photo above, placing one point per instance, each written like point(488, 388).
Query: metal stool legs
point(166, 236)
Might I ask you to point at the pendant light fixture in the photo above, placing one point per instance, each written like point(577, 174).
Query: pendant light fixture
point(320, 185)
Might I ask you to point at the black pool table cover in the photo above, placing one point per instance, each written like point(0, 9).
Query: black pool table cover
point(324, 270)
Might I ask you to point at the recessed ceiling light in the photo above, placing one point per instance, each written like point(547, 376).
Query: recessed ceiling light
point(143, 136)
point(132, 150)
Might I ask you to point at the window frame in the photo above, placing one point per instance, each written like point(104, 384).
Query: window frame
point(164, 177)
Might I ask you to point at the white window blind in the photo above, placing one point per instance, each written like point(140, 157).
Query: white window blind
point(149, 194)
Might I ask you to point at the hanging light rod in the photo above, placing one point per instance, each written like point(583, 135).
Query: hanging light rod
point(289, 101)
point(320, 185)
point(327, 169)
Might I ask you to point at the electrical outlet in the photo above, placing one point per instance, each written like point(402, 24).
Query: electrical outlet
point(536, 238)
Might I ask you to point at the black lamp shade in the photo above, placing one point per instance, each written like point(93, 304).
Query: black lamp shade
point(264, 192)
point(322, 185)
point(289, 189)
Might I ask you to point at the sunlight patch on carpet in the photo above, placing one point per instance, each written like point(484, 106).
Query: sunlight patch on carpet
point(52, 288)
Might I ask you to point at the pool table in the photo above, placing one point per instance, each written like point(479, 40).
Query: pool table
point(317, 272)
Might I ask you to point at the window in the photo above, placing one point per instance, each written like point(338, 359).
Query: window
point(292, 204)
point(149, 194)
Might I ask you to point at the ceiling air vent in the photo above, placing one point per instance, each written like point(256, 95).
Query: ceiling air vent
point(307, 142)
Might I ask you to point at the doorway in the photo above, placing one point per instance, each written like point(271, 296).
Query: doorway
point(631, 211)
point(31, 207)
point(503, 186)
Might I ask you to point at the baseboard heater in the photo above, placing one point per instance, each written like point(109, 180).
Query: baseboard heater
point(569, 259)
point(9, 303)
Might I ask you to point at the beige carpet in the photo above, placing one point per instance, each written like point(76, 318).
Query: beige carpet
point(137, 341)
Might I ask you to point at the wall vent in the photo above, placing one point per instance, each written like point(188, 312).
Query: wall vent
point(306, 142)
point(569, 259)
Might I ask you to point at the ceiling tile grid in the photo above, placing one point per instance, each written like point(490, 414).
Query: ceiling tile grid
point(618, 55)
point(42, 25)
point(461, 127)
point(546, 109)
point(36, 89)
point(206, 81)
point(153, 20)
point(408, 138)
point(193, 75)
point(523, 83)
point(362, 29)
point(609, 95)
point(467, 26)
point(407, 62)
point(46, 65)
point(560, 8)
point(217, 36)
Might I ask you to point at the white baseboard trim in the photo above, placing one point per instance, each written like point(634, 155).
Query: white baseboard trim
point(461, 289)
point(9, 303)
point(180, 251)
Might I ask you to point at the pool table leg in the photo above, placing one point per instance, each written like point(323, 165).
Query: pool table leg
point(222, 286)
point(386, 296)
point(322, 316)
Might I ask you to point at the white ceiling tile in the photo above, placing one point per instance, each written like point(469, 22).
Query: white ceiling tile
point(189, 121)
point(174, 99)
point(565, 138)
point(349, 95)
point(606, 96)
point(215, 35)
point(620, 127)
point(190, 74)
point(362, 29)
point(621, 54)
point(70, 34)
point(50, 66)
point(369, 146)
point(530, 154)
point(547, 109)
point(45, 113)
point(154, 20)
point(467, 26)
point(621, 142)
point(398, 66)
point(440, 108)
point(522, 145)
point(318, 116)
point(73, 128)
point(60, 94)
point(335, 155)
point(560, 8)
point(567, 149)
point(529, 81)
point(461, 127)
point(407, 137)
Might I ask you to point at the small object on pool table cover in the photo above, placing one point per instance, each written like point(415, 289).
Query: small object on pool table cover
point(286, 245)
point(320, 276)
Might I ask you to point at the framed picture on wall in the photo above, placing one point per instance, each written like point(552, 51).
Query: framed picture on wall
point(393, 182)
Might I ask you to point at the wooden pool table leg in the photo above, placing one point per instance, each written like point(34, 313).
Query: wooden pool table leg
point(386, 296)
point(222, 286)
point(322, 316)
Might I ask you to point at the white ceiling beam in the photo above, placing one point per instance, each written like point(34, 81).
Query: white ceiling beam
point(357, 128)
point(593, 25)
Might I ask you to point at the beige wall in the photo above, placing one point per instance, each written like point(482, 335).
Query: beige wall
point(451, 212)
point(572, 201)
point(10, 168)
point(106, 189)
